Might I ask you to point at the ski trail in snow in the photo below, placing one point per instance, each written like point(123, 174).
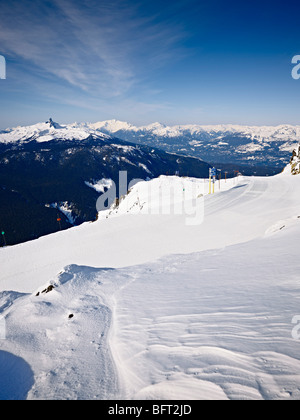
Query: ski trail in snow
point(212, 324)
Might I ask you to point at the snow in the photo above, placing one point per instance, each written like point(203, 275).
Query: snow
point(44, 132)
point(204, 322)
point(100, 185)
point(162, 309)
point(45, 326)
point(16, 377)
point(111, 125)
point(145, 168)
point(260, 137)
point(126, 149)
point(65, 208)
point(261, 133)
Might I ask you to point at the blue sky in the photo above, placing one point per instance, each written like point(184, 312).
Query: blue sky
point(176, 62)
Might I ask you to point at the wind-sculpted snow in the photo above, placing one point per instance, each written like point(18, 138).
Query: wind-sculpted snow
point(7, 298)
point(211, 325)
point(16, 377)
point(186, 327)
point(62, 332)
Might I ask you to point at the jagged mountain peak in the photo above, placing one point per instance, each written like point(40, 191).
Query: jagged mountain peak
point(47, 131)
point(53, 124)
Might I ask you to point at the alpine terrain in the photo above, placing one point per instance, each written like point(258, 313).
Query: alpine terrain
point(172, 293)
point(262, 149)
point(51, 175)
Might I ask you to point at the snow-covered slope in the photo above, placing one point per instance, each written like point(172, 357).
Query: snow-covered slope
point(183, 311)
point(48, 166)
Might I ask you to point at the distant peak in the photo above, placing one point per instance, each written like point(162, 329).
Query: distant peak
point(155, 125)
point(52, 124)
point(112, 125)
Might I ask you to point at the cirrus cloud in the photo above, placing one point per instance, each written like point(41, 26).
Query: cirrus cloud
point(104, 48)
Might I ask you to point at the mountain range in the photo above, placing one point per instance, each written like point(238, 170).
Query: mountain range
point(52, 175)
point(250, 146)
point(257, 147)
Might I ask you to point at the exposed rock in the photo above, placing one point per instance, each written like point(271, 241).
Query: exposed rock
point(295, 161)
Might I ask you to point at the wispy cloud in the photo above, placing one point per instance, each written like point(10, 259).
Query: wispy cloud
point(103, 48)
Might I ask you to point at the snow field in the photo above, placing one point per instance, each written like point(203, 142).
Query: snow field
point(212, 325)
point(182, 312)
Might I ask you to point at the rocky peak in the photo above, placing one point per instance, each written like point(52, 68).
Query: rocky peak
point(295, 161)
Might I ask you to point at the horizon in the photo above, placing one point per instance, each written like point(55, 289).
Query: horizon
point(180, 62)
point(64, 124)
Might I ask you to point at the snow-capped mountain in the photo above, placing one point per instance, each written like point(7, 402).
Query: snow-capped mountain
point(251, 145)
point(51, 171)
point(51, 175)
point(47, 131)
